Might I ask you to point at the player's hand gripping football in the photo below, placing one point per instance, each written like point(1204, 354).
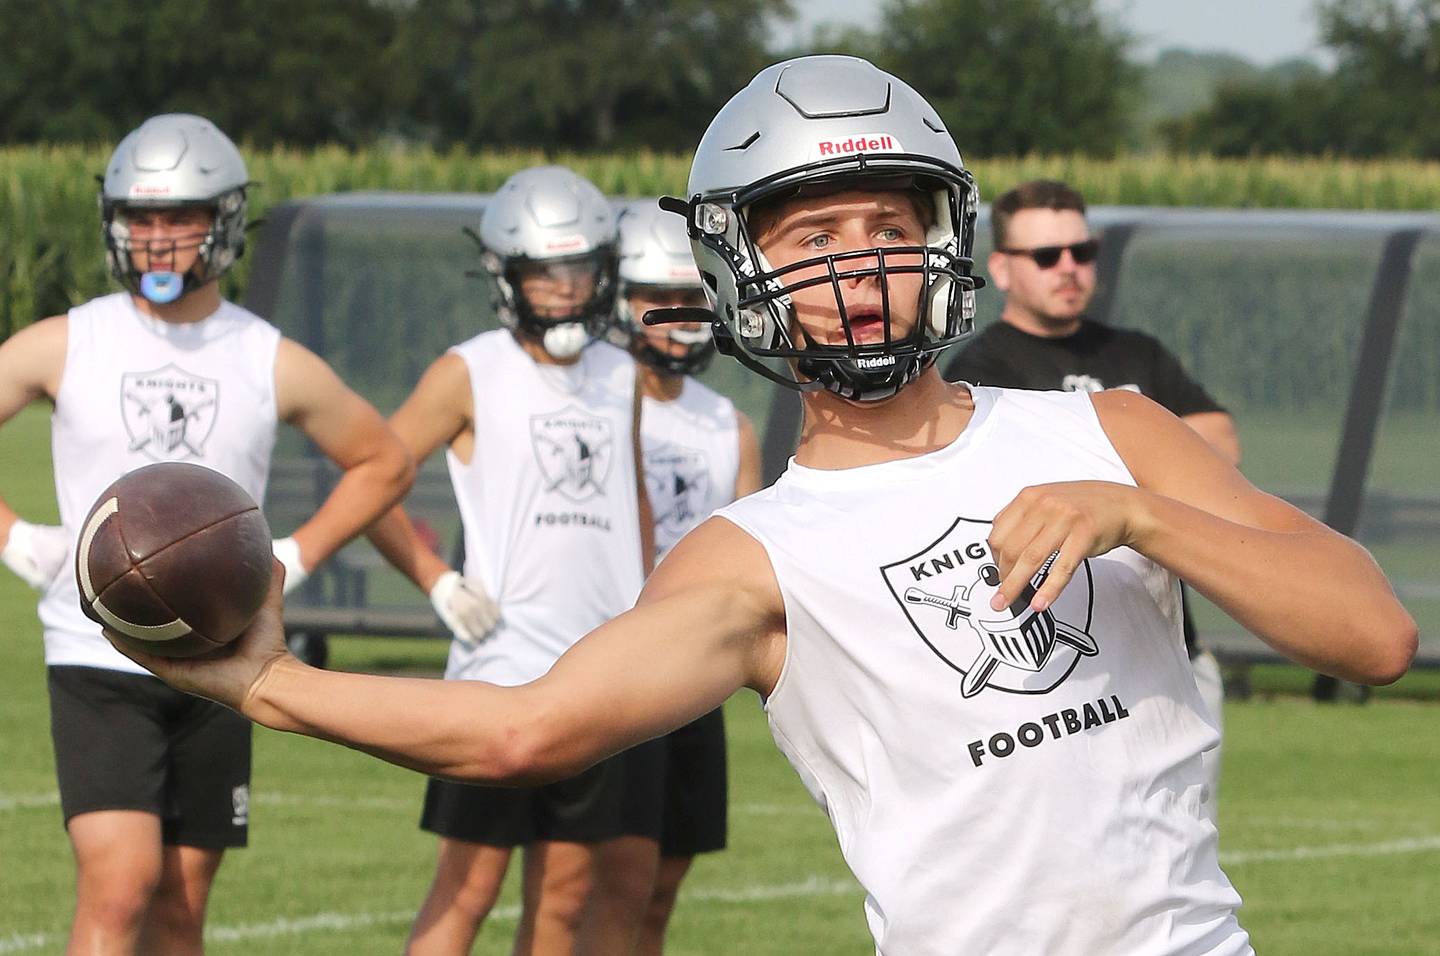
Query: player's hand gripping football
point(1072, 520)
point(228, 675)
point(465, 608)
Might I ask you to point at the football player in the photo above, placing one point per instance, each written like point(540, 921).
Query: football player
point(540, 428)
point(958, 603)
point(154, 785)
point(700, 453)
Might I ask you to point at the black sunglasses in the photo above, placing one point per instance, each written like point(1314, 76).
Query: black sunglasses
point(1046, 257)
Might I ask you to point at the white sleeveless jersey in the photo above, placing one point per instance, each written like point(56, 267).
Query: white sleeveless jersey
point(135, 391)
point(691, 447)
point(548, 502)
point(998, 785)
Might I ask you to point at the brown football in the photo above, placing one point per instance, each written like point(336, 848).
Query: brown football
point(173, 559)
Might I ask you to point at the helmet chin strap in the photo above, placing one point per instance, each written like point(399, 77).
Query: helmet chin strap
point(848, 380)
point(565, 341)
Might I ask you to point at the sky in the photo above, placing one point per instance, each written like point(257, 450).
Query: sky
point(1263, 31)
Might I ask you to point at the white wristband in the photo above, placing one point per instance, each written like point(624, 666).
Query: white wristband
point(469, 613)
point(36, 552)
point(287, 550)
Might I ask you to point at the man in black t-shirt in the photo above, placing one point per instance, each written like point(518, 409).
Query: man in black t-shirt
point(1091, 357)
point(1044, 262)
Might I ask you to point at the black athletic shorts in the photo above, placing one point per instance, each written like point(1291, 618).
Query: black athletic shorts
point(696, 790)
point(128, 742)
point(620, 796)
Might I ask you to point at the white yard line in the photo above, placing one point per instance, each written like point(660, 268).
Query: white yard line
point(350, 803)
point(1421, 844)
point(810, 887)
point(1314, 823)
point(344, 922)
point(303, 925)
point(27, 801)
point(779, 809)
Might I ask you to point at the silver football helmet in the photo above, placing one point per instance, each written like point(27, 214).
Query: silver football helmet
point(811, 126)
point(174, 160)
point(655, 259)
point(552, 227)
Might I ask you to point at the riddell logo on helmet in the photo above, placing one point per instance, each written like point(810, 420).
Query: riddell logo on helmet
point(864, 143)
point(144, 189)
point(572, 243)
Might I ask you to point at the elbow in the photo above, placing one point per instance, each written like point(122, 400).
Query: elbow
point(399, 471)
point(390, 472)
point(514, 761)
point(1404, 646)
point(507, 759)
point(534, 764)
point(523, 754)
point(1394, 651)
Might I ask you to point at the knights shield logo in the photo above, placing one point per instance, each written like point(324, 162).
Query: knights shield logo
point(574, 450)
point(678, 480)
point(168, 412)
point(945, 591)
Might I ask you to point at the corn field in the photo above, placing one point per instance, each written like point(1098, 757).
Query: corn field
point(51, 256)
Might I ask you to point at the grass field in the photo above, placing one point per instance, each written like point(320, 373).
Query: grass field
point(1330, 820)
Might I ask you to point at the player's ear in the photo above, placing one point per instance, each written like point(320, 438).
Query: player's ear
point(998, 265)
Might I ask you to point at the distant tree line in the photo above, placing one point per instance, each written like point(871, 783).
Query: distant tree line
point(1010, 77)
point(1382, 98)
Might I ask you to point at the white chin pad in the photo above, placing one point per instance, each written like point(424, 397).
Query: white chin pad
point(565, 341)
point(691, 336)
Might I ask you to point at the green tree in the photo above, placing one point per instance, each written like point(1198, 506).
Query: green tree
point(1015, 76)
point(267, 71)
point(1257, 118)
point(1382, 99)
point(1387, 80)
point(578, 73)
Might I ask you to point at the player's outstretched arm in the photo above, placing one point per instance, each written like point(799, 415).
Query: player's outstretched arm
point(31, 364)
point(438, 412)
point(709, 622)
point(377, 468)
point(1312, 594)
point(394, 536)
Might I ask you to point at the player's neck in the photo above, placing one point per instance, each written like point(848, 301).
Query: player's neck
point(658, 386)
point(536, 350)
point(925, 416)
point(194, 306)
point(1041, 326)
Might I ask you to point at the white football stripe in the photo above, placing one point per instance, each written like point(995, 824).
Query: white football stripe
point(143, 632)
point(92, 527)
